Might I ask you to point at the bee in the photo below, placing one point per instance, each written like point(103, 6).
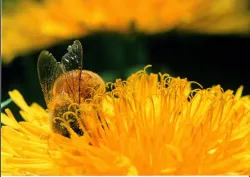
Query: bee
point(65, 87)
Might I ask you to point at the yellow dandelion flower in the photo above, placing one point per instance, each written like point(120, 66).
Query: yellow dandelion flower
point(35, 25)
point(149, 124)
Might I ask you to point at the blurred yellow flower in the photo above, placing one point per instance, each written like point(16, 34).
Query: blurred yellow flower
point(155, 125)
point(32, 25)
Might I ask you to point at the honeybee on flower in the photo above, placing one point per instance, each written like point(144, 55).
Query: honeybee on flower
point(67, 89)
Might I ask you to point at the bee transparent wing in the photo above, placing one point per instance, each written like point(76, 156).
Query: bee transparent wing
point(72, 60)
point(48, 71)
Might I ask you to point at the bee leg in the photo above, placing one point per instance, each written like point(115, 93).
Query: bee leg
point(99, 118)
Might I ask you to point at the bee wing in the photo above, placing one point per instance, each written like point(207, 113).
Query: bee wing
point(73, 60)
point(48, 71)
